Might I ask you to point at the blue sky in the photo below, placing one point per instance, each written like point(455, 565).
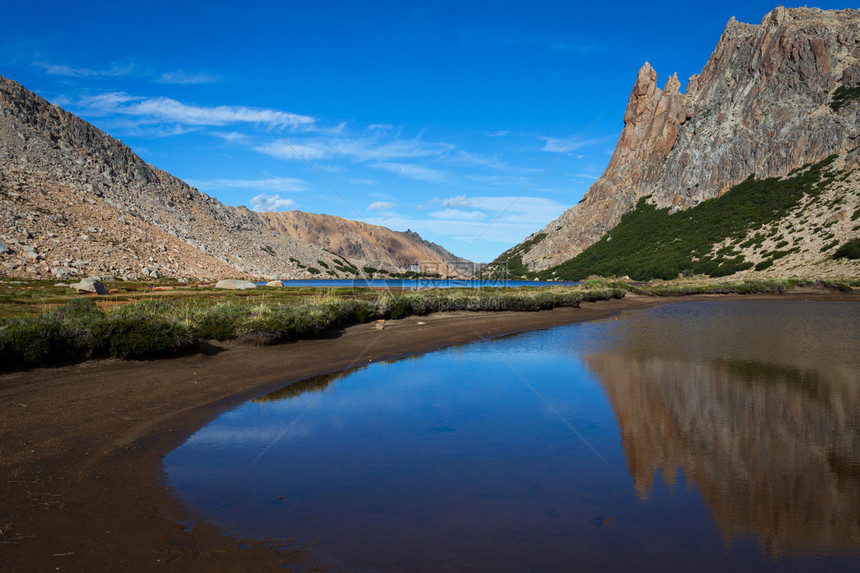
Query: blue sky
point(472, 123)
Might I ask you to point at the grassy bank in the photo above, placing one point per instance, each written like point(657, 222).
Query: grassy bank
point(42, 324)
point(79, 329)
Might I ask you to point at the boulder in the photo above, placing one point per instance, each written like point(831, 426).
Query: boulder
point(90, 285)
point(234, 284)
point(275, 283)
point(4, 248)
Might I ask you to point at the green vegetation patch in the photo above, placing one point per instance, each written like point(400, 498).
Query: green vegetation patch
point(843, 96)
point(510, 263)
point(651, 243)
point(849, 250)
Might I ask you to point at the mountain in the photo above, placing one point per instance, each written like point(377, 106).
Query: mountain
point(374, 245)
point(76, 202)
point(772, 103)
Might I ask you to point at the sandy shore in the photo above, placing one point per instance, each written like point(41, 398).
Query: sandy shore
point(81, 446)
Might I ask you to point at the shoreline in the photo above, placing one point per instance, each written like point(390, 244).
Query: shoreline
point(82, 445)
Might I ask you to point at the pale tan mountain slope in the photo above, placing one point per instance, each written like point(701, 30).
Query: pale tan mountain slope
point(761, 107)
point(74, 202)
point(374, 245)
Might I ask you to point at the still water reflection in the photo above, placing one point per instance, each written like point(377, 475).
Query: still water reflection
point(694, 436)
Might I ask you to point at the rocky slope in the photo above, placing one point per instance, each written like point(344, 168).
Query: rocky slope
point(772, 98)
point(75, 202)
point(374, 245)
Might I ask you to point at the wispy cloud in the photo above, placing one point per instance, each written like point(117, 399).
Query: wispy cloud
point(458, 215)
point(560, 145)
point(264, 202)
point(186, 78)
point(381, 206)
point(412, 171)
point(380, 126)
point(271, 185)
point(499, 133)
point(356, 148)
point(586, 176)
point(503, 220)
point(232, 136)
point(115, 71)
point(461, 157)
point(526, 210)
point(163, 109)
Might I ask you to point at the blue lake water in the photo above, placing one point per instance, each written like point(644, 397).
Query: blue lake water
point(695, 436)
point(414, 284)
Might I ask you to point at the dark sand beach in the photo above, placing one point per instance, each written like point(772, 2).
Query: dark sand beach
point(81, 446)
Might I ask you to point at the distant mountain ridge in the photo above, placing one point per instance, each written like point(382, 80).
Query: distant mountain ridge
point(75, 201)
point(771, 99)
point(378, 246)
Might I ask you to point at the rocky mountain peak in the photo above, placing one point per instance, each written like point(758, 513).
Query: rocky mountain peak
point(761, 106)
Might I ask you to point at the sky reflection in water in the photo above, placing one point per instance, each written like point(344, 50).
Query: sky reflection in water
point(700, 436)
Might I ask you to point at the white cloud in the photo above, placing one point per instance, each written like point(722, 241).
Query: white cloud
point(186, 78)
point(380, 126)
point(458, 201)
point(470, 159)
point(163, 109)
point(359, 181)
point(566, 145)
point(381, 206)
point(458, 215)
point(293, 150)
point(271, 185)
point(263, 202)
point(515, 181)
point(357, 149)
point(586, 176)
point(413, 171)
point(232, 136)
point(114, 71)
point(499, 133)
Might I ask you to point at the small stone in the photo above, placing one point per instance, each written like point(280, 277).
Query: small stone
point(274, 284)
point(4, 248)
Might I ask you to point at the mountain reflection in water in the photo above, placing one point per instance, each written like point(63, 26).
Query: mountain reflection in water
point(695, 436)
point(772, 445)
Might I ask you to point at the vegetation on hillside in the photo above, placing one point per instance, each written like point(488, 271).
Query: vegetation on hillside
point(653, 243)
point(843, 96)
point(510, 263)
point(849, 250)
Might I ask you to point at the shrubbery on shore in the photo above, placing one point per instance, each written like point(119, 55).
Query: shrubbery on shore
point(80, 330)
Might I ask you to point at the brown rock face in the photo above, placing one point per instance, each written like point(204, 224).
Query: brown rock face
point(760, 107)
point(76, 202)
point(377, 246)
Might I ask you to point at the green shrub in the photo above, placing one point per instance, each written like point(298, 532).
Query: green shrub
point(849, 250)
point(138, 337)
point(843, 96)
point(219, 322)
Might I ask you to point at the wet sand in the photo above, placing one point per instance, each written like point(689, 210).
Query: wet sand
point(81, 446)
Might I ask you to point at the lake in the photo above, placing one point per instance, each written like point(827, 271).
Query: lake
point(697, 436)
